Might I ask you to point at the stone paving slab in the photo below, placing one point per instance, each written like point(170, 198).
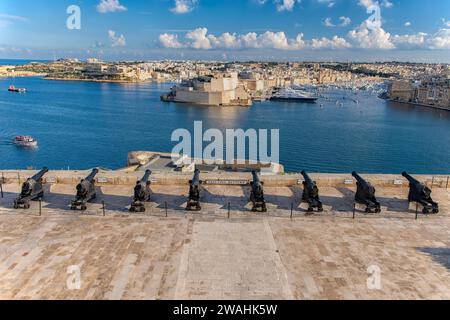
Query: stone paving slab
point(207, 256)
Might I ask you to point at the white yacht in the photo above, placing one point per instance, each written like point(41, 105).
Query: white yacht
point(289, 94)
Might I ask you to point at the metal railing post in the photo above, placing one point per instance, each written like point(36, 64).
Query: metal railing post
point(292, 210)
point(165, 207)
point(1, 185)
point(103, 208)
point(417, 210)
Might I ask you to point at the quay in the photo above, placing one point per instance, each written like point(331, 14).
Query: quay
point(225, 251)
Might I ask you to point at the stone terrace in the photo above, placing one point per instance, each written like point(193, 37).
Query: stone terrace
point(208, 256)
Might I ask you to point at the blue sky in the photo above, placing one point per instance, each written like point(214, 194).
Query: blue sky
point(412, 30)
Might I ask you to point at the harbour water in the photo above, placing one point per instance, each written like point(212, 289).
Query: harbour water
point(80, 125)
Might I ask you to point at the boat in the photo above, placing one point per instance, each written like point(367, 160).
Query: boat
point(289, 94)
point(14, 89)
point(25, 141)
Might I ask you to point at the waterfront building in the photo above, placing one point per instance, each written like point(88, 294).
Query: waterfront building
point(221, 89)
point(433, 92)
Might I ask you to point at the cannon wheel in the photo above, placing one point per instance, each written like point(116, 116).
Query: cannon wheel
point(83, 208)
point(16, 206)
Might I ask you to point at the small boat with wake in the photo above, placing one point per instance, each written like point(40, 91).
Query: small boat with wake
point(25, 141)
point(14, 89)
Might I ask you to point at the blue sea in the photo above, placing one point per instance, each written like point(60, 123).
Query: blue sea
point(80, 125)
point(17, 62)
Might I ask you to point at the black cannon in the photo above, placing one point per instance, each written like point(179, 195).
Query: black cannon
point(85, 192)
point(193, 203)
point(365, 194)
point(257, 194)
point(141, 193)
point(420, 193)
point(31, 190)
point(311, 194)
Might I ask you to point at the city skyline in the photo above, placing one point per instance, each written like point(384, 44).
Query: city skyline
point(332, 30)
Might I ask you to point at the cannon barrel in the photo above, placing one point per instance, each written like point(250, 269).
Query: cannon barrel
point(410, 178)
point(92, 175)
point(38, 176)
point(196, 179)
point(311, 193)
point(256, 180)
point(360, 180)
point(257, 194)
point(307, 178)
point(146, 176)
point(194, 193)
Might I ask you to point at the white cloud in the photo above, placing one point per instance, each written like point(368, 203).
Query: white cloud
point(170, 41)
point(410, 41)
point(440, 40)
point(8, 19)
point(328, 23)
point(387, 4)
point(367, 36)
point(445, 22)
point(370, 34)
point(184, 6)
point(344, 21)
point(286, 5)
point(106, 6)
point(329, 3)
point(198, 39)
point(116, 41)
point(407, 24)
point(334, 43)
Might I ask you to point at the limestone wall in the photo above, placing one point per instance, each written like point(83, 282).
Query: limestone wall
point(286, 180)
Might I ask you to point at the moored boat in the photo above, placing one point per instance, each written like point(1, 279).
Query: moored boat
point(289, 94)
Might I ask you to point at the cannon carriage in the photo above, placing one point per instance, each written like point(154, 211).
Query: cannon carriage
point(257, 194)
point(421, 194)
point(32, 189)
point(193, 203)
point(85, 192)
point(365, 194)
point(311, 194)
point(142, 193)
